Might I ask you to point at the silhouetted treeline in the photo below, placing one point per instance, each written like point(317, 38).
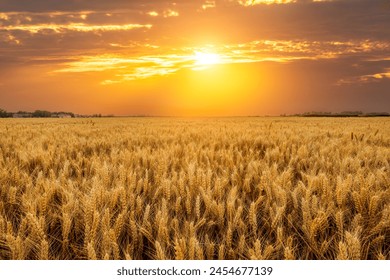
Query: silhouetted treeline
point(41, 114)
point(35, 114)
point(46, 114)
point(343, 114)
point(4, 114)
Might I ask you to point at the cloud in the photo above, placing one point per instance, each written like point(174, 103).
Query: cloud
point(140, 5)
point(168, 33)
point(365, 79)
point(153, 14)
point(170, 13)
point(325, 20)
point(165, 13)
point(379, 76)
point(208, 5)
point(77, 27)
point(87, 5)
point(9, 39)
point(247, 3)
point(125, 67)
point(69, 5)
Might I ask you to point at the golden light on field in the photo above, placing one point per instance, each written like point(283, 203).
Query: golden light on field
point(206, 188)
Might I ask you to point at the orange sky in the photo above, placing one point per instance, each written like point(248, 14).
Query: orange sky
point(219, 58)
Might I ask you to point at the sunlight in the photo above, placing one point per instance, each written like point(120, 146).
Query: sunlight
point(202, 58)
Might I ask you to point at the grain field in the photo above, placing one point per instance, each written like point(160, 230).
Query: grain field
point(170, 188)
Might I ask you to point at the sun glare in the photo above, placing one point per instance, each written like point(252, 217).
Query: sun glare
point(202, 58)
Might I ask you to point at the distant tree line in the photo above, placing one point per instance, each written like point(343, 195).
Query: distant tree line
point(343, 114)
point(47, 114)
point(5, 114)
point(35, 114)
point(41, 114)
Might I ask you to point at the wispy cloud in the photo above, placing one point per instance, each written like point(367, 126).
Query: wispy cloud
point(247, 3)
point(9, 39)
point(125, 67)
point(208, 5)
point(128, 68)
point(379, 76)
point(170, 13)
point(365, 79)
point(153, 14)
point(78, 27)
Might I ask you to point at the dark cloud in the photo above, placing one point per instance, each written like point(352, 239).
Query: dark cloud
point(228, 23)
point(333, 20)
point(85, 5)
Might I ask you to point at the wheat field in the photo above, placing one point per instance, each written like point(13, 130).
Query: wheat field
point(170, 188)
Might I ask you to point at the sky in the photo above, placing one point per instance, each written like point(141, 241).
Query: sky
point(195, 57)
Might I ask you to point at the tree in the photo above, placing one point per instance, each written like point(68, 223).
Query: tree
point(4, 114)
point(41, 114)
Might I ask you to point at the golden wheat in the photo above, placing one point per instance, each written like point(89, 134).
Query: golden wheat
point(164, 188)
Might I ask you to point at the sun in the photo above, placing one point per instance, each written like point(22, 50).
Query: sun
point(202, 58)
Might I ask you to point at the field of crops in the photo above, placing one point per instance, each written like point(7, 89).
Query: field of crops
point(167, 188)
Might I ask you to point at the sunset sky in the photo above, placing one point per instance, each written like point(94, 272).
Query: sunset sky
point(195, 57)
